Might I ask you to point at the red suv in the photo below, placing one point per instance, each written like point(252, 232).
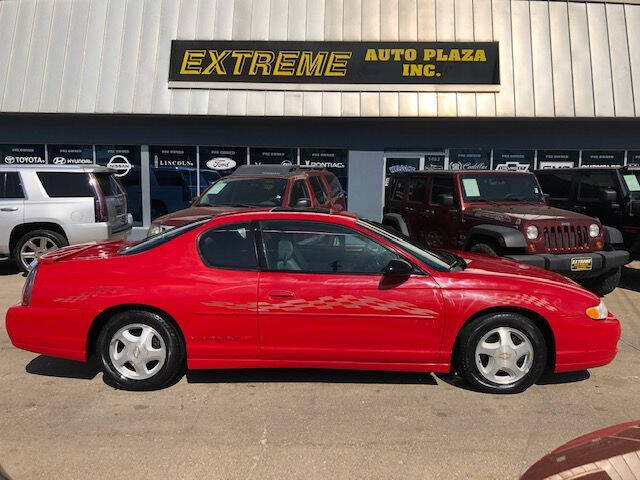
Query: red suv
point(260, 186)
point(504, 214)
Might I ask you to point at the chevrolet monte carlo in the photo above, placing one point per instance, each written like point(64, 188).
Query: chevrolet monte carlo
point(294, 289)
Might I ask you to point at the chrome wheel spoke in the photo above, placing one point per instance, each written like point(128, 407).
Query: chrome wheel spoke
point(504, 355)
point(490, 349)
point(134, 355)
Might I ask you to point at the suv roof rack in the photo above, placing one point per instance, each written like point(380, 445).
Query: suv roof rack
point(275, 170)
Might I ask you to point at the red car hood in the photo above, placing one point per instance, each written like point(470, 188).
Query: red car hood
point(486, 265)
point(585, 451)
point(192, 214)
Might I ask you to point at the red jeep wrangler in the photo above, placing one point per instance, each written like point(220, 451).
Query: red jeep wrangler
point(260, 186)
point(504, 214)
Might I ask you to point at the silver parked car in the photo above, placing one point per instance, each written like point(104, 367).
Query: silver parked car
point(46, 207)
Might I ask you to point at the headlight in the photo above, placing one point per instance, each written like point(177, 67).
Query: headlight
point(154, 230)
point(594, 230)
point(598, 312)
point(532, 232)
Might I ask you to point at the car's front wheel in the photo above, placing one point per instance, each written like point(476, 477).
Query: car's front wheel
point(501, 353)
point(140, 350)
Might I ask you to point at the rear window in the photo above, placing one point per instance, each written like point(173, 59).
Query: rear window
point(336, 188)
point(156, 240)
point(318, 190)
point(556, 184)
point(231, 247)
point(66, 184)
point(10, 186)
point(108, 184)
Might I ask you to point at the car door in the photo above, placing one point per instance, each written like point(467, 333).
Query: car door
point(557, 185)
point(441, 218)
point(12, 200)
point(225, 317)
point(415, 207)
point(590, 185)
point(321, 298)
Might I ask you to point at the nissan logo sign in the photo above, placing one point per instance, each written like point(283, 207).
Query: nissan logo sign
point(221, 163)
point(120, 164)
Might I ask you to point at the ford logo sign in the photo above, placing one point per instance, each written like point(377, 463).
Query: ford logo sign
point(221, 163)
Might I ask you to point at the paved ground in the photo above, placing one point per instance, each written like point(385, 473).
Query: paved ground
point(59, 420)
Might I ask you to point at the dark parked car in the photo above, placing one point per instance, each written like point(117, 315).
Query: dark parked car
point(611, 194)
point(261, 186)
point(503, 214)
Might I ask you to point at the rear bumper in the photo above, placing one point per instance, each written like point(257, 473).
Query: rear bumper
point(601, 262)
point(592, 343)
point(59, 332)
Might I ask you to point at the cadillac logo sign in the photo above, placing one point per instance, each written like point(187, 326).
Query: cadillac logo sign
point(284, 65)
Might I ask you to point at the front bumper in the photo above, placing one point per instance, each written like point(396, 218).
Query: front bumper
point(602, 262)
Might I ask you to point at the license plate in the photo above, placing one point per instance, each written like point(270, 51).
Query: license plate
point(581, 264)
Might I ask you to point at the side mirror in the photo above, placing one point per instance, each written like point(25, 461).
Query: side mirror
point(397, 268)
point(547, 198)
point(303, 203)
point(445, 199)
point(607, 195)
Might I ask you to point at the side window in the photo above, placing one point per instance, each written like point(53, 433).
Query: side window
point(318, 190)
point(298, 192)
point(66, 185)
point(336, 188)
point(10, 186)
point(417, 189)
point(557, 184)
point(592, 183)
point(441, 186)
point(400, 189)
point(230, 246)
point(314, 247)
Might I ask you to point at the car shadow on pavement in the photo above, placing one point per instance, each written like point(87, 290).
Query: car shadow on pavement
point(59, 367)
point(630, 279)
point(295, 375)
point(8, 268)
point(547, 378)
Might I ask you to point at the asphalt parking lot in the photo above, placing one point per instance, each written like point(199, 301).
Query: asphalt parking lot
point(59, 420)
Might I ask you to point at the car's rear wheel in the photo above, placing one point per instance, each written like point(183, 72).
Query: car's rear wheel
point(140, 350)
point(32, 245)
point(501, 353)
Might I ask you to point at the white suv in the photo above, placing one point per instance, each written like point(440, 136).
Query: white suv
point(46, 207)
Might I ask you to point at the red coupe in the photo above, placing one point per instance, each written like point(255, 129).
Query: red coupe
point(281, 288)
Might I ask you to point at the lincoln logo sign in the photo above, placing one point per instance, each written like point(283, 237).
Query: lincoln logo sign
point(378, 66)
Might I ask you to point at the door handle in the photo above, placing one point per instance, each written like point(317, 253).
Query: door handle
point(281, 293)
point(9, 209)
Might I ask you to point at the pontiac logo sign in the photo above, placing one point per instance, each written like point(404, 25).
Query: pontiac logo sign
point(331, 65)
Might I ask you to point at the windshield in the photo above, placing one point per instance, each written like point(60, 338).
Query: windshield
point(632, 180)
point(155, 240)
point(438, 260)
point(496, 187)
point(250, 192)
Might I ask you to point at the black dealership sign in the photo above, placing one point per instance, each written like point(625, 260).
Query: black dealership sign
point(599, 158)
point(172, 156)
point(333, 64)
point(334, 160)
point(557, 159)
point(22, 154)
point(469, 159)
point(273, 156)
point(70, 154)
point(517, 160)
point(223, 160)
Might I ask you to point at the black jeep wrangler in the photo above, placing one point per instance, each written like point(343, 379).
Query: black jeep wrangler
point(610, 194)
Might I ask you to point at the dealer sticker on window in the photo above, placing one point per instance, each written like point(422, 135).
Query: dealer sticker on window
point(581, 264)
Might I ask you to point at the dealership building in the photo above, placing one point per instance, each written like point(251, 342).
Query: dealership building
point(174, 94)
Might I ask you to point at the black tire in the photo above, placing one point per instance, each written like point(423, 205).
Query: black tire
point(55, 237)
point(471, 335)
point(486, 249)
point(174, 363)
point(604, 284)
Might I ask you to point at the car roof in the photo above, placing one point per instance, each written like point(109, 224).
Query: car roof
point(456, 172)
point(280, 212)
point(271, 171)
point(61, 168)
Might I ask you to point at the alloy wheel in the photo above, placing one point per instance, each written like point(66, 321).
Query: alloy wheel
point(137, 351)
point(504, 355)
point(34, 248)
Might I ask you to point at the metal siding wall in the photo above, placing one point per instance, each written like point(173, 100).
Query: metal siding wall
point(556, 58)
point(632, 14)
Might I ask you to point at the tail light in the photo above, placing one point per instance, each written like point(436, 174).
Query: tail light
point(101, 209)
point(28, 285)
